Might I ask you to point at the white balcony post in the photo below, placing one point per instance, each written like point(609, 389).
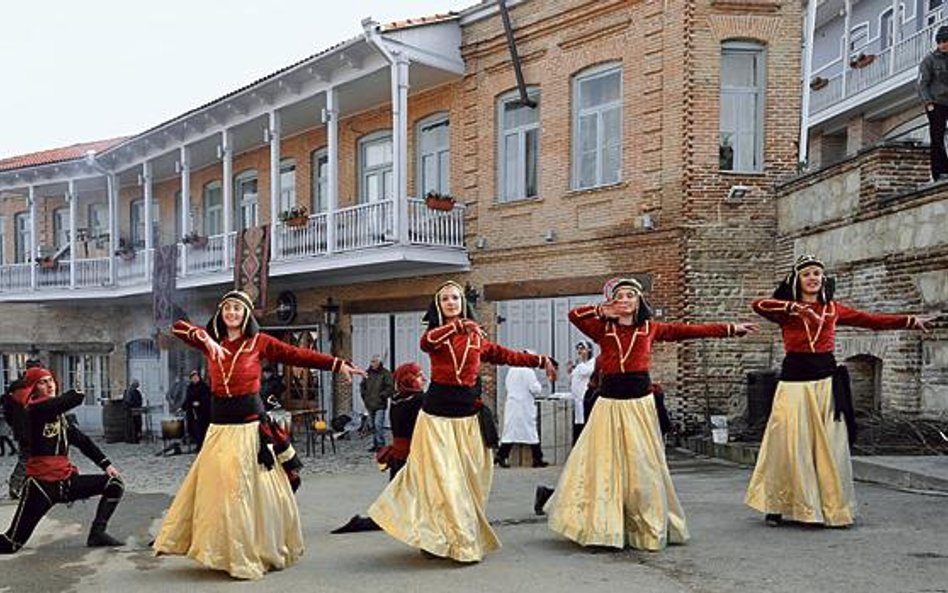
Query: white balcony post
point(274, 133)
point(33, 252)
point(896, 34)
point(146, 179)
point(847, 23)
point(227, 155)
point(332, 164)
point(112, 187)
point(809, 30)
point(400, 145)
point(185, 160)
point(71, 199)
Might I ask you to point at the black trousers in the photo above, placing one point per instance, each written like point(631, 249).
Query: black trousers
point(504, 451)
point(39, 496)
point(937, 117)
point(18, 475)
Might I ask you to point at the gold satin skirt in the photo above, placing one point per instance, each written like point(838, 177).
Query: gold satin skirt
point(231, 513)
point(615, 489)
point(438, 500)
point(803, 470)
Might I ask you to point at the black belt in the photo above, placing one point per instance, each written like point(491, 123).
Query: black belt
point(451, 401)
point(240, 409)
point(625, 385)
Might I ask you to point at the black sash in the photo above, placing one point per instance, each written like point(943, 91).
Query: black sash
point(450, 401)
point(239, 409)
point(625, 385)
point(804, 366)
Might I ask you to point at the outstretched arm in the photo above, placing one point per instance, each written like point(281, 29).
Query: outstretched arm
point(89, 449)
point(674, 332)
point(197, 337)
point(497, 354)
point(48, 409)
point(880, 321)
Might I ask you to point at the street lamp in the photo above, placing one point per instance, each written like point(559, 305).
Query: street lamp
point(331, 318)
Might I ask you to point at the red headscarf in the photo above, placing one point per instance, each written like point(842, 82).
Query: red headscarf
point(406, 378)
point(21, 395)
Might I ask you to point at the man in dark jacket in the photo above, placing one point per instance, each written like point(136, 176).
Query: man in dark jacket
point(51, 477)
point(377, 388)
point(197, 408)
point(133, 400)
point(933, 90)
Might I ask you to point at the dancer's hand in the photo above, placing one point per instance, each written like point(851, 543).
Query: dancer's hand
point(614, 309)
point(924, 323)
point(347, 369)
point(742, 329)
point(471, 328)
point(214, 350)
point(112, 471)
point(806, 312)
point(550, 369)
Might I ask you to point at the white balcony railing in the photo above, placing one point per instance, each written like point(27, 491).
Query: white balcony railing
point(888, 63)
point(364, 226)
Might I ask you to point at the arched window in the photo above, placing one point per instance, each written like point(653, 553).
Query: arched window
point(433, 139)
point(246, 199)
point(597, 126)
point(375, 167)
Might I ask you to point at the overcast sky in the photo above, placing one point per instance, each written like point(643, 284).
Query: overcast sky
point(76, 71)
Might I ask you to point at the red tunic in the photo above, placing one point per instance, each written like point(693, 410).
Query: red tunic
point(802, 335)
point(627, 348)
point(456, 354)
point(239, 372)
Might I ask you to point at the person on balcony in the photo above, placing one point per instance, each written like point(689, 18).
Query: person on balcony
point(615, 489)
point(803, 470)
point(438, 501)
point(933, 89)
point(51, 478)
point(232, 512)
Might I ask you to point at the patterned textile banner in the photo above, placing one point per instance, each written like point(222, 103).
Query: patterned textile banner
point(164, 276)
point(252, 264)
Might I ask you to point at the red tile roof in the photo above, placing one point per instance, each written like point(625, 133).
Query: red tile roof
point(57, 155)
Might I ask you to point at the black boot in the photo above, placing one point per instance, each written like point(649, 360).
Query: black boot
point(773, 519)
point(356, 524)
point(542, 495)
point(110, 499)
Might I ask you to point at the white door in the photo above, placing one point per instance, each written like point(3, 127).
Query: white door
point(154, 383)
point(371, 334)
point(408, 330)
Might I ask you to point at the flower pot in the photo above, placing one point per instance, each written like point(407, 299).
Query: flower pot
point(818, 83)
point(296, 221)
point(439, 204)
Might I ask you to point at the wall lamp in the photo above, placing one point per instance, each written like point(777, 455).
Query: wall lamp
point(737, 193)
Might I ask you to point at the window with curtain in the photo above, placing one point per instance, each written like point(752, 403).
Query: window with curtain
point(375, 167)
point(320, 185)
point(213, 209)
point(597, 127)
point(21, 230)
point(433, 139)
point(518, 146)
point(136, 223)
point(287, 184)
point(98, 221)
point(60, 228)
point(741, 138)
point(246, 200)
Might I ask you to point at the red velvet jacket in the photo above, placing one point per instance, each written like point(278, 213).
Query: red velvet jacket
point(802, 335)
point(239, 372)
point(627, 348)
point(456, 354)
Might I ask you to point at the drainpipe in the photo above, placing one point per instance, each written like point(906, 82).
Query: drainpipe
point(399, 75)
point(809, 30)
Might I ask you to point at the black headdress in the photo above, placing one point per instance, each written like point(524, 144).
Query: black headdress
point(216, 327)
point(644, 312)
point(789, 287)
point(434, 318)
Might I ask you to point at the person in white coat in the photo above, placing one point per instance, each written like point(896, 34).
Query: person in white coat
point(520, 416)
point(579, 376)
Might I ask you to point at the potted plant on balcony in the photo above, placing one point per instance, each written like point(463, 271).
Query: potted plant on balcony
point(438, 201)
point(125, 250)
point(818, 83)
point(46, 262)
point(193, 238)
point(862, 60)
point(295, 217)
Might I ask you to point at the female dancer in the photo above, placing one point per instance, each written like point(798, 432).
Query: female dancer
point(232, 512)
point(50, 476)
point(438, 501)
point(803, 470)
point(615, 489)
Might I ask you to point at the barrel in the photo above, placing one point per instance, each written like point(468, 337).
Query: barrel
point(113, 421)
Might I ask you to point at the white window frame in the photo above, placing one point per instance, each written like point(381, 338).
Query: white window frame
point(287, 184)
point(858, 37)
point(441, 155)
point(60, 227)
point(319, 201)
point(520, 133)
point(599, 111)
point(213, 212)
point(90, 371)
point(96, 212)
point(21, 237)
point(136, 228)
point(759, 91)
point(385, 170)
point(245, 203)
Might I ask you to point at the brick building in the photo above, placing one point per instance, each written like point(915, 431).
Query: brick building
point(657, 132)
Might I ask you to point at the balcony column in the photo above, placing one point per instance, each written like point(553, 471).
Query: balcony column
point(227, 188)
point(71, 200)
point(847, 23)
point(147, 182)
point(32, 254)
point(331, 120)
point(400, 144)
point(809, 30)
point(275, 190)
point(185, 166)
point(896, 34)
point(112, 189)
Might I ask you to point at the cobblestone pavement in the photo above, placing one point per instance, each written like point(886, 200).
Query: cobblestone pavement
point(146, 471)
